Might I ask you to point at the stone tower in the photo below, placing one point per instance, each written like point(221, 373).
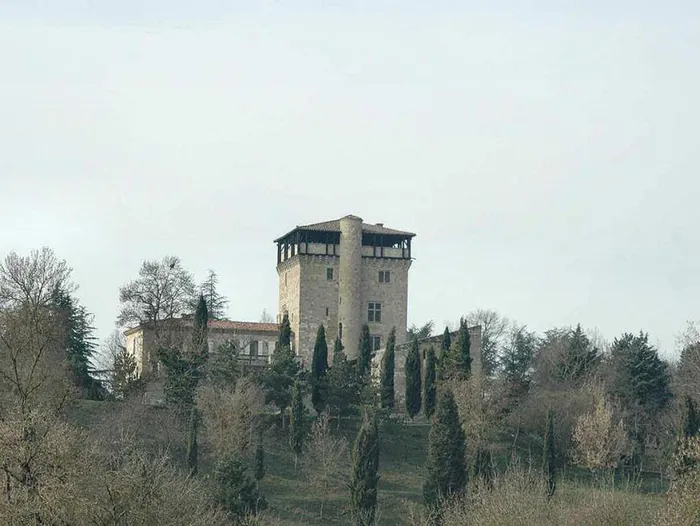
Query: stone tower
point(343, 274)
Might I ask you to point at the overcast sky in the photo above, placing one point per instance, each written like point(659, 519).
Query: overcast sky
point(545, 153)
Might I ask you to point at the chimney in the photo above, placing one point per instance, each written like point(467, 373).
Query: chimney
point(380, 224)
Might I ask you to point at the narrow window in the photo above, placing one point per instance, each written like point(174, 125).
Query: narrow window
point(266, 348)
point(374, 312)
point(326, 311)
point(254, 348)
point(329, 273)
point(340, 331)
point(387, 276)
point(376, 342)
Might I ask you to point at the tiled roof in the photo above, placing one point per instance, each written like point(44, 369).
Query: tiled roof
point(243, 326)
point(334, 226)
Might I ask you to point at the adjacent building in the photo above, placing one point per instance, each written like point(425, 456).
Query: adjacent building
point(343, 274)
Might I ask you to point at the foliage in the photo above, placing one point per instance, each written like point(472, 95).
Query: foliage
point(222, 367)
point(216, 302)
point(365, 471)
point(284, 338)
point(549, 457)
point(343, 387)
point(430, 388)
point(237, 493)
point(319, 366)
point(446, 465)
point(494, 329)
point(191, 443)
point(457, 363)
point(516, 362)
point(278, 377)
point(297, 421)
point(386, 379)
point(412, 372)
point(364, 356)
point(580, 355)
point(123, 372)
point(483, 469)
point(259, 460)
point(422, 332)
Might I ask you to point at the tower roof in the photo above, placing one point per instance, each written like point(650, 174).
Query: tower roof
point(334, 226)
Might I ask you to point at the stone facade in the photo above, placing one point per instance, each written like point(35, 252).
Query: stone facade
point(401, 351)
point(330, 273)
point(255, 341)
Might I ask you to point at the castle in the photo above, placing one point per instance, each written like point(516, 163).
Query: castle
point(341, 274)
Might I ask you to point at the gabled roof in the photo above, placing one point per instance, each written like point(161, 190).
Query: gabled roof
point(334, 226)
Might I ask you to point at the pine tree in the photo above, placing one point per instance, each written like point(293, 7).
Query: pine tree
point(365, 472)
point(297, 422)
point(549, 461)
point(216, 303)
point(343, 388)
point(691, 419)
point(516, 362)
point(319, 366)
point(191, 443)
point(364, 356)
point(446, 343)
point(580, 355)
point(429, 392)
point(446, 463)
point(123, 372)
point(412, 372)
point(386, 381)
point(463, 360)
point(259, 461)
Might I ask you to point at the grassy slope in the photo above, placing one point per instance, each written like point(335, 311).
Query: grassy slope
point(402, 457)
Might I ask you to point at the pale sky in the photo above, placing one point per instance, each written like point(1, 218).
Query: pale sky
point(545, 153)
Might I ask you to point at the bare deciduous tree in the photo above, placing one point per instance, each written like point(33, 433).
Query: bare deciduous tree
point(326, 459)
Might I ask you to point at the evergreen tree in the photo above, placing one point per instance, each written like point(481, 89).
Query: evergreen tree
point(285, 335)
point(191, 443)
point(259, 460)
point(123, 372)
point(365, 472)
point(429, 393)
point(297, 422)
point(343, 387)
point(463, 360)
point(549, 461)
point(337, 349)
point(412, 372)
point(446, 343)
point(386, 381)
point(216, 303)
point(223, 369)
point(446, 463)
point(199, 352)
point(236, 492)
point(580, 355)
point(517, 362)
point(278, 377)
point(364, 357)
point(319, 365)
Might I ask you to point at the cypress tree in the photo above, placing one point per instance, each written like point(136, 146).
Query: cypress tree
point(259, 461)
point(200, 344)
point(319, 366)
point(337, 350)
point(412, 372)
point(386, 385)
point(463, 360)
point(446, 342)
point(284, 338)
point(549, 455)
point(364, 356)
point(446, 463)
point(297, 422)
point(365, 472)
point(191, 443)
point(429, 392)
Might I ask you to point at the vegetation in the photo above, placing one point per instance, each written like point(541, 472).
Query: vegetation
point(412, 370)
point(386, 382)
point(319, 366)
point(365, 472)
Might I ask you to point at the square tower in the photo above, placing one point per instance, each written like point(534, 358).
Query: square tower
point(343, 274)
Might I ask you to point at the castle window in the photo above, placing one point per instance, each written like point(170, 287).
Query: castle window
point(266, 348)
point(376, 342)
point(340, 331)
point(327, 311)
point(374, 312)
point(254, 348)
point(384, 276)
point(329, 274)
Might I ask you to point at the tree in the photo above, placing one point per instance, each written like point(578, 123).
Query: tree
point(483, 468)
point(429, 394)
point(446, 463)
point(580, 356)
point(297, 422)
point(494, 330)
point(691, 419)
point(343, 387)
point(278, 377)
point(259, 460)
point(216, 302)
point(237, 493)
point(365, 471)
point(163, 291)
point(319, 366)
point(326, 459)
point(422, 332)
point(222, 367)
point(284, 338)
point(549, 460)
point(191, 442)
point(446, 343)
point(266, 317)
point(386, 381)
point(364, 356)
point(516, 362)
point(458, 362)
point(122, 377)
point(412, 371)
point(689, 431)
